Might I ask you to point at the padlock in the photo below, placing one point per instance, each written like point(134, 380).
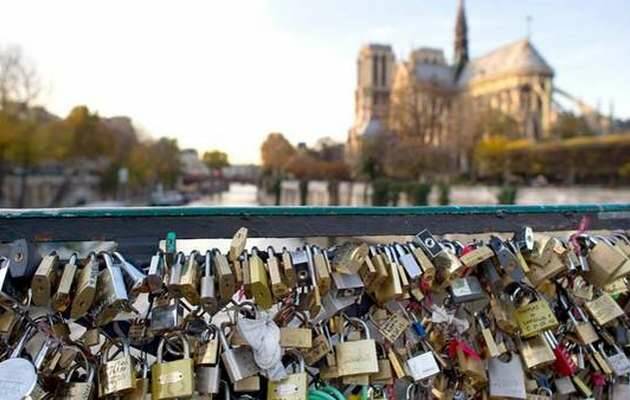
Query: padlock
point(155, 275)
point(117, 375)
point(143, 384)
point(421, 366)
point(391, 289)
point(173, 379)
point(534, 317)
point(207, 352)
point(139, 333)
point(208, 370)
point(427, 266)
point(487, 337)
point(44, 280)
point(279, 289)
point(321, 269)
point(476, 256)
point(225, 276)
point(320, 347)
point(18, 376)
point(380, 265)
point(294, 386)
point(604, 261)
point(300, 263)
point(408, 262)
point(470, 364)
point(357, 356)
point(385, 374)
point(259, 281)
point(563, 364)
point(506, 377)
point(166, 315)
point(467, 289)
point(392, 326)
point(536, 353)
point(542, 249)
point(297, 337)
point(348, 257)
point(249, 384)
point(85, 290)
point(11, 294)
point(604, 309)
point(239, 362)
point(83, 390)
point(61, 298)
point(189, 281)
point(346, 285)
point(111, 294)
point(174, 275)
point(135, 280)
point(288, 272)
point(616, 359)
point(239, 240)
point(247, 280)
point(8, 320)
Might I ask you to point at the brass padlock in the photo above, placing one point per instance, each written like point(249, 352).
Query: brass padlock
point(358, 356)
point(300, 337)
point(288, 271)
point(111, 295)
point(238, 244)
point(143, 385)
point(85, 291)
point(534, 317)
point(189, 279)
point(349, 257)
point(77, 390)
point(44, 280)
point(225, 276)
point(173, 379)
point(536, 353)
point(604, 260)
point(294, 386)
point(321, 346)
point(61, 298)
point(117, 375)
point(391, 289)
point(321, 268)
point(279, 289)
point(259, 281)
point(207, 352)
point(385, 374)
point(604, 309)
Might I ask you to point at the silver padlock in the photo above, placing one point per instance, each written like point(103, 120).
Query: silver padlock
point(239, 362)
point(506, 378)
point(10, 294)
point(618, 361)
point(209, 285)
point(208, 378)
point(135, 280)
point(18, 376)
point(422, 366)
point(409, 263)
point(111, 294)
point(155, 275)
point(346, 285)
point(165, 317)
point(466, 289)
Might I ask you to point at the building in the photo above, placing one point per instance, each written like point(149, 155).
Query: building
point(438, 100)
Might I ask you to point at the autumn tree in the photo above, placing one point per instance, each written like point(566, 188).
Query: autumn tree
point(569, 125)
point(276, 151)
point(215, 159)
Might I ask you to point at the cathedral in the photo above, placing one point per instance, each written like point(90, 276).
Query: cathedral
point(437, 100)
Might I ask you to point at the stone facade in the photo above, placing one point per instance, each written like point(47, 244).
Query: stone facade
point(438, 100)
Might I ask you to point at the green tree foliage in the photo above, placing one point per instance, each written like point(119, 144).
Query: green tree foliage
point(215, 159)
point(494, 123)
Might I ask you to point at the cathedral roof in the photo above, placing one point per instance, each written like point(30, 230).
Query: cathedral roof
point(520, 57)
point(371, 127)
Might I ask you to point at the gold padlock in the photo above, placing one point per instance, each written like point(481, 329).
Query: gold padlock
point(173, 379)
point(117, 375)
point(297, 337)
point(294, 386)
point(259, 281)
point(279, 288)
point(61, 299)
point(85, 288)
point(44, 280)
point(358, 356)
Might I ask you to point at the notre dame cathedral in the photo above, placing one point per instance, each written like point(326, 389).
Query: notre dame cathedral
point(514, 79)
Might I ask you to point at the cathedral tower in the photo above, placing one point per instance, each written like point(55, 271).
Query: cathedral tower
point(460, 54)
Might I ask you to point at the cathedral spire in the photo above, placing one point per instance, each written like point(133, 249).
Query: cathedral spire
point(461, 38)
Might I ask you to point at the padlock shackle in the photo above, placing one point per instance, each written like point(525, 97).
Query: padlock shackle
point(165, 338)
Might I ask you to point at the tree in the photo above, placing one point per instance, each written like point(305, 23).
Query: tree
point(276, 151)
point(494, 123)
point(215, 159)
point(19, 86)
point(569, 125)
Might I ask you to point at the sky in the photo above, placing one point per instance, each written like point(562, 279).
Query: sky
point(223, 74)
